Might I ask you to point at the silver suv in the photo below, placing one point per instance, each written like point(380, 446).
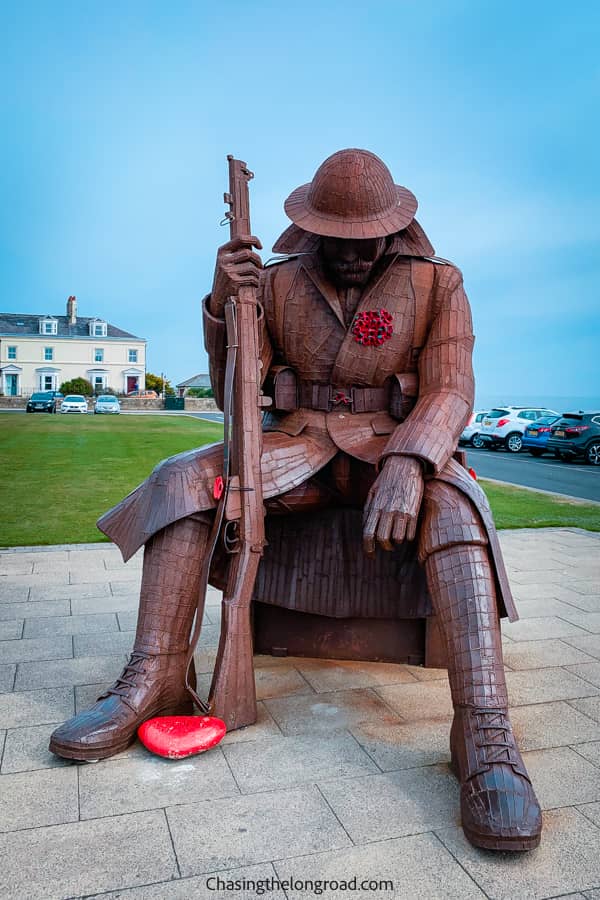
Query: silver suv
point(504, 427)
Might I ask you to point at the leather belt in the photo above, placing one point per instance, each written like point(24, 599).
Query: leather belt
point(325, 397)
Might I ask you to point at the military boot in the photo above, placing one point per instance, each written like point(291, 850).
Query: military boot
point(153, 681)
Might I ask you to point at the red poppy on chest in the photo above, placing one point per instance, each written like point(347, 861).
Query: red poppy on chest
point(372, 327)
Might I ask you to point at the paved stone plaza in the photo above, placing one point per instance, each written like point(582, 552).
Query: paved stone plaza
point(345, 774)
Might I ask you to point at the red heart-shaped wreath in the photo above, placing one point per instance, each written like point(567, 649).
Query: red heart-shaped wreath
point(372, 327)
point(178, 736)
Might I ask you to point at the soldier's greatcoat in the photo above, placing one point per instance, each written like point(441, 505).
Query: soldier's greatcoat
point(425, 365)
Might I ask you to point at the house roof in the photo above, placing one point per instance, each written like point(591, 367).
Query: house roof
point(27, 324)
point(202, 380)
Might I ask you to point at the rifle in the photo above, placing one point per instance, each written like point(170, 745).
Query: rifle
point(232, 694)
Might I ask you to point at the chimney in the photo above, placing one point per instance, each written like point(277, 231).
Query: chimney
point(72, 310)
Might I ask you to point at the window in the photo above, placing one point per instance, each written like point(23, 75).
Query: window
point(98, 354)
point(11, 352)
point(133, 356)
point(48, 354)
point(48, 326)
point(97, 328)
point(47, 383)
point(99, 384)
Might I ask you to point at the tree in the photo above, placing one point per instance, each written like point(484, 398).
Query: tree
point(158, 384)
point(200, 392)
point(77, 386)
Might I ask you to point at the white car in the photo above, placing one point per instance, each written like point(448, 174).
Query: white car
point(107, 403)
point(470, 433)
point(504, 426)
point(74, 403)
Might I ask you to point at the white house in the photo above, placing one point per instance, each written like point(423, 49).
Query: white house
point(39, 353)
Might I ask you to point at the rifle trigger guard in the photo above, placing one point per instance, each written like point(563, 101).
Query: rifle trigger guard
point(227, 219)
point(231, 543)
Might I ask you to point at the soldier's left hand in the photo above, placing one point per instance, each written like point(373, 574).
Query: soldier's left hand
point(392, 508)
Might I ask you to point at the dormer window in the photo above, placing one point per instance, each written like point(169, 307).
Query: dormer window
point(97, 328)
point(48, 325)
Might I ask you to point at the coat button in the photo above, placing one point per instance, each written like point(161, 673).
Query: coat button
point(341, 416)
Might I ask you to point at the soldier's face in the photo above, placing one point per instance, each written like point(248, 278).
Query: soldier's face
point(349, 262)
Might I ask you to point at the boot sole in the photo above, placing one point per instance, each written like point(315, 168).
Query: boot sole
point(488, 842)
point(94, 754)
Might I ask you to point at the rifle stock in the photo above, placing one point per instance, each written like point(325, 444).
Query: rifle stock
point(232, 694)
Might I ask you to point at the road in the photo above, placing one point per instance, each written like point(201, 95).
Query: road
point(545, 473)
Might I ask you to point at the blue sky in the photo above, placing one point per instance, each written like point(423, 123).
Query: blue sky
point(117, 118)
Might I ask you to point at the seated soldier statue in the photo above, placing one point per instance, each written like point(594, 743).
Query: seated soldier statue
point(376, 336)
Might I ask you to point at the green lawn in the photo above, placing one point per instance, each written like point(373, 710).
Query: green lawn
point(60, 473)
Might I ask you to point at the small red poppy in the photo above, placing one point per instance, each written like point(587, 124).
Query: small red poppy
point(372, 327)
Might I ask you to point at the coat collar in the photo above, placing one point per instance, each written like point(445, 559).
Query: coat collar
point(313, 268)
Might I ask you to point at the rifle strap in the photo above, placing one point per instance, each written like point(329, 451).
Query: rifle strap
point(230, 366)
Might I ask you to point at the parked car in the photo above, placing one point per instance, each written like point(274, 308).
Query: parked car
point(44, 401)
point(504, 427)
point(107, 403)
point(143, 395)
point(576, 435)
point(470, 433)
point(535, 437)
point(75, 403)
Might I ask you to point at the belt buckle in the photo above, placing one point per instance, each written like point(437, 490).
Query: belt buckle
point(340, 397)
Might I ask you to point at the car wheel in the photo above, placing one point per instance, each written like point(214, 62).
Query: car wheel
point(514, 442)
point(592, 454)
point(536, 452)
point(477, 441)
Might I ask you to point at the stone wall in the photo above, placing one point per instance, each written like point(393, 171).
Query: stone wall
point(200, 404)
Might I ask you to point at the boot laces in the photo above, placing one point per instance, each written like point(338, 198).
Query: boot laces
point(495, 737)
point(128, 678)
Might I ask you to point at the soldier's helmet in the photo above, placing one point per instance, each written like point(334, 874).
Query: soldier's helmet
point(352, 195)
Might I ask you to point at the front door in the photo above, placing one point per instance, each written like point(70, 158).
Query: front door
point(12, 384)
point(132, 383)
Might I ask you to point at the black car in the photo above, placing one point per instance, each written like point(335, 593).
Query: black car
point(576, 434)
point(45, 401)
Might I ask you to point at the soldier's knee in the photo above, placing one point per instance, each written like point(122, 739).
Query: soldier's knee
point(448, 518)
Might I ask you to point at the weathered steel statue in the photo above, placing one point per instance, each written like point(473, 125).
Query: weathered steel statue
point(364, 342)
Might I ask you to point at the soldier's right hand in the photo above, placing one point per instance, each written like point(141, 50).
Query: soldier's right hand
point(237, 266)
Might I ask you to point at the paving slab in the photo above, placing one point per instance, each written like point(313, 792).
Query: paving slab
point(91, 575)
point(13, 593)
point(287, 761)
point(409, 746)
point(418, 867)
point(204, 887)
point(104, 644)
point(48, 626)
point(588, 671)
point(82, 670)
point(561, 777)
point(33, 649)
point(590, 751)
point(23, 708)
point(32, 799)
point(589, 621)
point(541, 628)
point(7, 678)
point(321, 714)
point(589, 643)
point(29, 609)
point(145, 781)
point(566, 861)
point(26, 749)
point(11, 629)
point(419, 702)
point(590, 706)
point(264, 728)
point(338, 675)
point(280, 681)
point(253, 828)
point(545, 685)
point(78, 859)
point(108, 603)
point(69, 592)
point(545, 725)
point(542, 654)
point(592, 812)
point(409, 801)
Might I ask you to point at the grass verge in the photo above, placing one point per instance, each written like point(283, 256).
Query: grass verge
point(60, 473)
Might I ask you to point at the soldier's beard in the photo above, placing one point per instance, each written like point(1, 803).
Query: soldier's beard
point(349, 274)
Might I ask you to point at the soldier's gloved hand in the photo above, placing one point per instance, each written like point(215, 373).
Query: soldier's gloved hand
point(237, 265)
point(393, 504)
